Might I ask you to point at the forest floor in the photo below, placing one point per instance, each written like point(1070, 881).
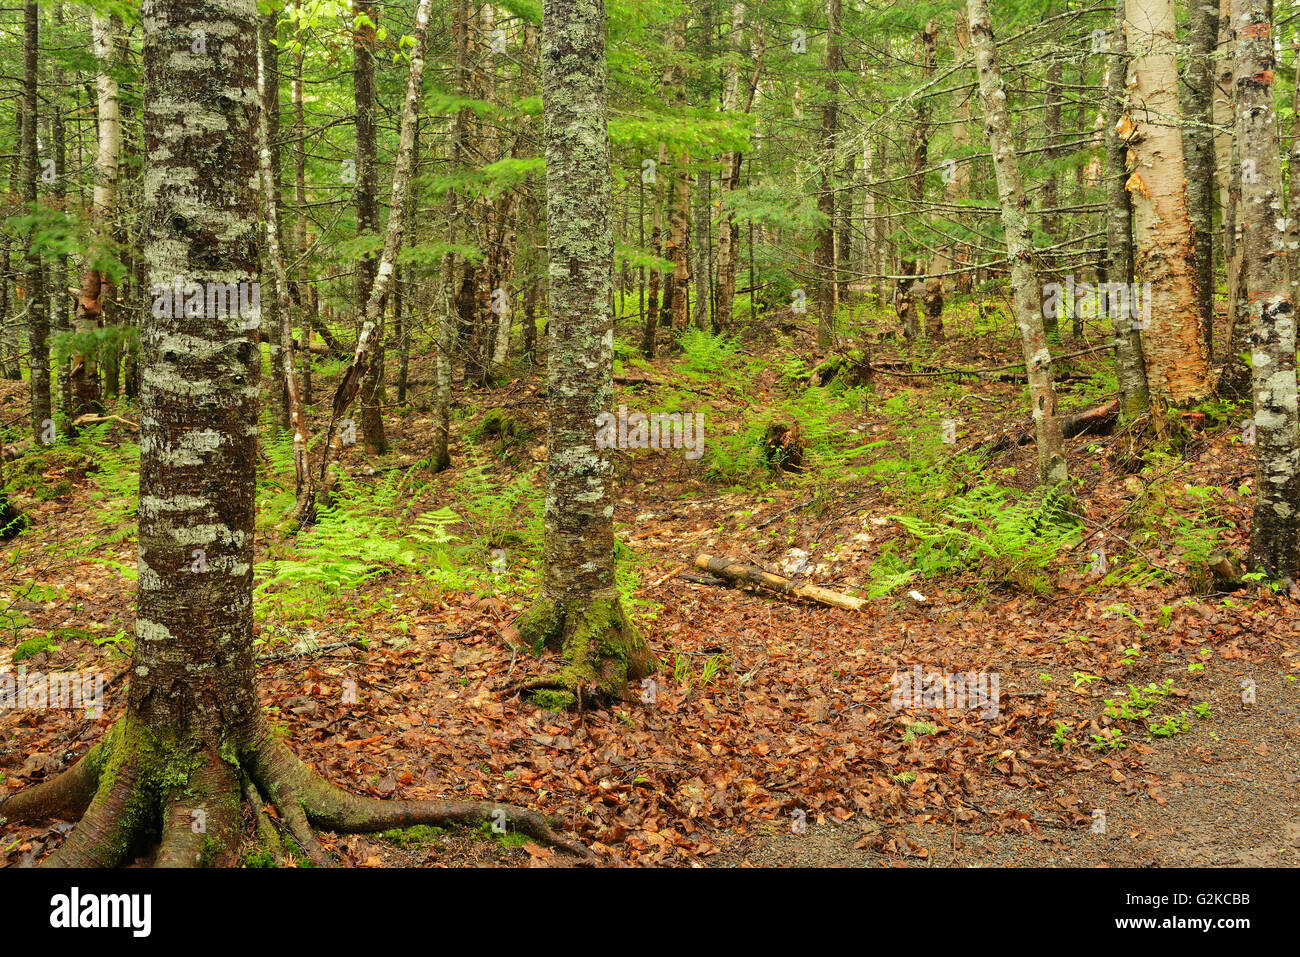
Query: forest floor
point(768, 737)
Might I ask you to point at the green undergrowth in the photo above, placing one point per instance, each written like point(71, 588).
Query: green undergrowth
point(1004, 536)
point(477, 528)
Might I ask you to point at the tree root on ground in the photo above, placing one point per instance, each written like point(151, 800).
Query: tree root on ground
point(131, 786)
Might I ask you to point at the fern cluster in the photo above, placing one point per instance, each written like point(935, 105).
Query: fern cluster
point(1006, 536)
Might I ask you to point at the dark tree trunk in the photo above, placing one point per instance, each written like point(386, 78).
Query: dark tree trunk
point(1129, 368)
point(1198, 148)
point(37, 295)
point(826, 287)
point(367, 201)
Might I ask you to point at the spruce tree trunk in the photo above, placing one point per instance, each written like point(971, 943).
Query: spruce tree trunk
point(10, 348)
point(825, 259)
point(60, 299)
point(1198, 148)
point(448, 318)
point(1051, 188)
point(306, 292)
point(918, 157)
point(36, 292)
point(579, 609)
point(1130, 370)
point(679, 210)
point(1020, 250)
point(1173, 344)
point(1275, 526)
point(367, 203)
point(650, 321)
point(728, 229)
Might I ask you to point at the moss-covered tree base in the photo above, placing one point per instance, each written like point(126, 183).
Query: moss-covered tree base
point(602, 649)
point(203, 806)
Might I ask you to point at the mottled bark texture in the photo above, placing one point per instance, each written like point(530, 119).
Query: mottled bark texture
point(273, 295)
point(1173, 344)
point(579, 610)
point(1275, 527)
point(1020, 250)
point(1198, 149)
point(1051, 187)
point(918, 157)
point(194, 746)
point(37, 294)
point(367, 205)
point(369, 341)
point(728, 228)
point(440, 454)
point(284, 375)
point(825, 253)
point(678, 303)
point(650, 324)
point(10, 348)
point(1130, 370)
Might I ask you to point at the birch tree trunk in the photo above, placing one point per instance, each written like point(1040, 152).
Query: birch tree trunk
point(368, 341)
point(1173, 344)
point(579, 610)
point(1224, 121)
point(60, 295)
point(283, 366)
point(1020, 250)
point(1275, 526)
point(269, 91)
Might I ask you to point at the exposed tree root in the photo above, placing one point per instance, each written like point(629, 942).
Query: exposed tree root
point(267, 835)
point(132, 786)
point(66, 795)
point(103, 835)
point(602, 649)
point(284, 777)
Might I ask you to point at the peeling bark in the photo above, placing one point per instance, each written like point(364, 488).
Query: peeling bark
point(1173, 345)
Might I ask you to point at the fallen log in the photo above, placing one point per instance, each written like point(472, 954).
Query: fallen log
point(91, 419)
point(1094, 421)
point(740, 573)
